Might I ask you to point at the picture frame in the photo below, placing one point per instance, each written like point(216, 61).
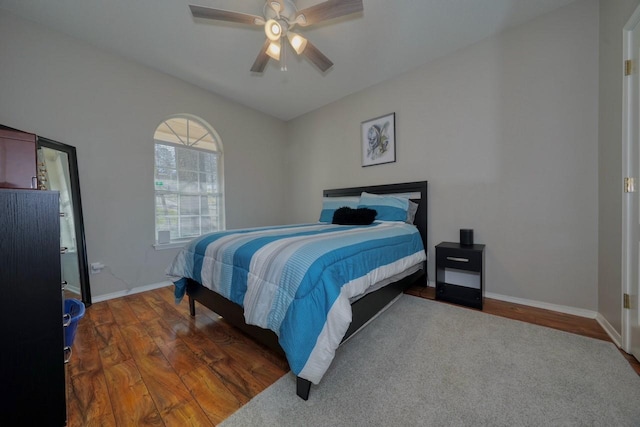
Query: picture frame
point(378, 139)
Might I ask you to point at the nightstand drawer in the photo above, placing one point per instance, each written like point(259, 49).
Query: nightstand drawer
point(459, 259)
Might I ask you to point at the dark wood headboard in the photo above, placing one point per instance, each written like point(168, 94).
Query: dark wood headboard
point(418, 187)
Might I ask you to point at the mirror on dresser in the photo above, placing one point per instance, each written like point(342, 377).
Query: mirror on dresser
point(58, 170)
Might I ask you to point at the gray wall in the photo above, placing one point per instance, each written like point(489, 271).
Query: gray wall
point(505, 131)
point(613, 17)
point(108, 108)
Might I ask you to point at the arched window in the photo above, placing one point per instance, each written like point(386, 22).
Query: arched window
point(188, 179)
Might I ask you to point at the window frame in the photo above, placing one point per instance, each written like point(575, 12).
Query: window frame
point(190, 146)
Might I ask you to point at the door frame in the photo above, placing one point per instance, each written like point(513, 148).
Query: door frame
point(630, 130)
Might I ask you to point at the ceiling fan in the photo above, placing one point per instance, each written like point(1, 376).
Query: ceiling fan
point(279, 18)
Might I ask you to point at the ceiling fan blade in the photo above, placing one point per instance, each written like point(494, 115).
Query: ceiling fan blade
point(328, 10)
point(262, 59)
point(225, 15)
point(318, 58)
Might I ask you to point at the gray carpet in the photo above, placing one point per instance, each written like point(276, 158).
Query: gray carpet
point(423, 363)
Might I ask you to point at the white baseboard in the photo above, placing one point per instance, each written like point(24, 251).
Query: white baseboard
point(581, 312)
point(133, 291)
point(74, 289)
point(610, 330)
point(531, 303)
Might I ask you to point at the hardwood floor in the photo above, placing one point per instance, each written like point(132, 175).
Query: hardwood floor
point(143, 360)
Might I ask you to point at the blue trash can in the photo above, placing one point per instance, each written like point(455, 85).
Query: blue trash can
point(75, 310)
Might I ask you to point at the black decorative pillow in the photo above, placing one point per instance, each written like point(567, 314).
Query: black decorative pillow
point(350, 216)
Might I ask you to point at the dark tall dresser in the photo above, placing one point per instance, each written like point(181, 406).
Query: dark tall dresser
point(31, 314)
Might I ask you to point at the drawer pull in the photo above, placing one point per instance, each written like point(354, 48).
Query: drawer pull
point(63, 250)
point(67, 354)
point(453, 258)
point(66, 320)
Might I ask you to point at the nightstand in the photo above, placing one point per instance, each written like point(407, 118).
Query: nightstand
point(460, 274)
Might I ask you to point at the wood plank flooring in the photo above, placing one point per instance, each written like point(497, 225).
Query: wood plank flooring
point(142, 360)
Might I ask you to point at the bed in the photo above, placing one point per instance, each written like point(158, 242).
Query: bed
point(306, 315)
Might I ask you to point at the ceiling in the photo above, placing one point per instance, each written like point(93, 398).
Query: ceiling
point(387, 39)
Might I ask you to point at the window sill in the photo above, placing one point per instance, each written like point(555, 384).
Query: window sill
point(172, 245)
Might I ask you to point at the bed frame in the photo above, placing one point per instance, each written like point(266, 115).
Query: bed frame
point(363, 310)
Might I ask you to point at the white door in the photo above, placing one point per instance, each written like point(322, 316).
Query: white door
point(631, 203)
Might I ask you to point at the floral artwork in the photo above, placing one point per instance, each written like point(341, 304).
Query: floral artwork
point(379, 140)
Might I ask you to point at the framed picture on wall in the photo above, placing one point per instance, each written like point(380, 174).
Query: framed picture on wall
point(379, 140)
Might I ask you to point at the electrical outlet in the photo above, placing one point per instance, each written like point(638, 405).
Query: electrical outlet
point(96, 267)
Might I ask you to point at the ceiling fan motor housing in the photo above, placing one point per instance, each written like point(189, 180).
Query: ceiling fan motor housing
point(284, 17)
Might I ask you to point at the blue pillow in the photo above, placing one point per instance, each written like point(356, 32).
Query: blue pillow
point(331, 204)
point(389, 208)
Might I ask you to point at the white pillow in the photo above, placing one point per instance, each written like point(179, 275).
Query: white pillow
point(411, 212)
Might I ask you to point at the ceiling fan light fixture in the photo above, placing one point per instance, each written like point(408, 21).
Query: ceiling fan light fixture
point(273, 30)
point(274, 50)
point(275, 6)
point(301, 20)
point(298, 43)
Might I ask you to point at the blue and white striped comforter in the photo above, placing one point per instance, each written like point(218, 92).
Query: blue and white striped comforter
point(297, 280)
